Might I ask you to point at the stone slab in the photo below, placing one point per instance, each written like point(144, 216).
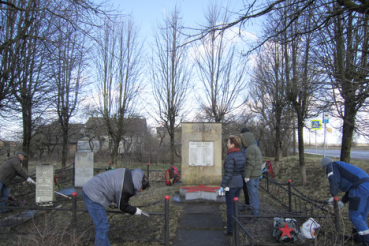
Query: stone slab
point(84, 168)
point(201, 224)
point(45, 184)
point(209, 221)
point(200, 237)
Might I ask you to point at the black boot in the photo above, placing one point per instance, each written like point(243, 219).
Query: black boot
point(365, 239)
point(353, 236)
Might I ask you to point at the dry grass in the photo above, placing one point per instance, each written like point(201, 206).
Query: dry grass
point(54, 230)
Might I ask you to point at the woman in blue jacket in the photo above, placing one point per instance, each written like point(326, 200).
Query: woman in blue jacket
point(234, 170)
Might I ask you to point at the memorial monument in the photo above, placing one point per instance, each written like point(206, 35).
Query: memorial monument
point(201, 160)
point(84, 163)
point(45, 194)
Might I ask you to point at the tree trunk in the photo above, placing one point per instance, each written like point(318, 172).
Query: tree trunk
point(348, 131)
point(27, 132)
point(114, 153)
point(172, 149)
point(300, 130)
point(65, 146)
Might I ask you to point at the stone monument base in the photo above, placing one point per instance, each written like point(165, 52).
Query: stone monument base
point(200, 192)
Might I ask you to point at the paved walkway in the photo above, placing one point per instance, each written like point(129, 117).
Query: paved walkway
point(201, 225)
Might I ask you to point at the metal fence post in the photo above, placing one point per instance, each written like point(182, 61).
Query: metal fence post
point(289, 196)
point(267, 179)
point(74, 207)
point(337, 219)
point(166, 225)
point(74, 172)
point(148, 171)
point(236, 236)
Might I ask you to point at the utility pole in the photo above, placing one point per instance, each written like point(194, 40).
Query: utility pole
point(325, 121)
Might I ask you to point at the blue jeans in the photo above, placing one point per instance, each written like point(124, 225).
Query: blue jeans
point(230, 195)
point(252, 188)
point(4, 191)
point(100, 219)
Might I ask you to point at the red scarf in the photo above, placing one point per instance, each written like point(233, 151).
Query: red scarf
point(233, 150)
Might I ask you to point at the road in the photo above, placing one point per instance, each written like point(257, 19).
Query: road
point(355, 154)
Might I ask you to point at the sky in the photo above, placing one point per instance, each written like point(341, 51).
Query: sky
point(148, 13)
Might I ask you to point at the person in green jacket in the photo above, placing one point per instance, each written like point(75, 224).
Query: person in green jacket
point(8, 171)
point(254, 165)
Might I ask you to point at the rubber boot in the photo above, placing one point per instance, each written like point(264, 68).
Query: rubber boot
point(355, 235)
point(365, 239)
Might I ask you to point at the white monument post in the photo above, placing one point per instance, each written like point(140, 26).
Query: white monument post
point(45, 194)
point(84, 163)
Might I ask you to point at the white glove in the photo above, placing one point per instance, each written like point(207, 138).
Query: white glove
point(226, 189)
point(30, 181)
point(247, 180)
point(221, 192)
point(340, 205)
point(138, 211)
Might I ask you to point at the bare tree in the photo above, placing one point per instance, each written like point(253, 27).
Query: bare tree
point(220, 71)
point(68, 66)
point(345, 59)
point(18, 20)
point(26, 38)
point(256, 9)
point(170, 76)
point(31, 89)
point(302, 78)
point(269, 91)
point(118, 63)
point(290, 74)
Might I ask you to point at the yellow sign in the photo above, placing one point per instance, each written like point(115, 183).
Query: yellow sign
point(316, 124)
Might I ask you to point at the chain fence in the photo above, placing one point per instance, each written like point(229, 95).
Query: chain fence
point(257, 230)
point(66, 221)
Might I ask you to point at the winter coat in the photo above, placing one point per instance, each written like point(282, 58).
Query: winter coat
point(10, 169)
point(234, 169)
point(254, 160)
point(117, 186)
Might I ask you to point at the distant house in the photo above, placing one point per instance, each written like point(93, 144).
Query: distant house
point(47, 140)
point(133, 138)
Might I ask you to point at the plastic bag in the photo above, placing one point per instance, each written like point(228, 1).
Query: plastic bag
point(308, 228)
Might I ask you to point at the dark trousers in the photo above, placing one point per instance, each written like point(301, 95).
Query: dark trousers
point(245, 193)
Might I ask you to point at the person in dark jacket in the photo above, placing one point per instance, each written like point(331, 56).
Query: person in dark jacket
point(254, 166)
point(244, 188)
point(116, 186)
point(234, 169)
point(8, 171)
point(355, 183)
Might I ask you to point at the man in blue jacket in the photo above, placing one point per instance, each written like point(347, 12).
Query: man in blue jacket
point(117, 186)
point(355, 182)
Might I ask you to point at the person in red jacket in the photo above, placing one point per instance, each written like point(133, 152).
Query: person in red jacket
point(8, 171)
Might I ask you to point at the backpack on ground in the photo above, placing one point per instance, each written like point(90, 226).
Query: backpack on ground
point(285, 230)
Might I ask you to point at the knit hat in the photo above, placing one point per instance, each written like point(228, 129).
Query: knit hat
point(245, 129)
point(326, 161)
point(20, 152)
